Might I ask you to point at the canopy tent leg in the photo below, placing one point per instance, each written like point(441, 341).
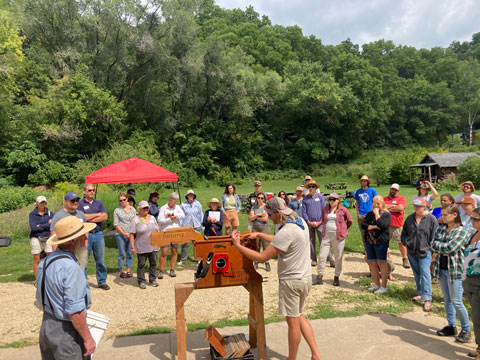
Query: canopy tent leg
point(430, 173)
point(95, 195)
point(178, 188)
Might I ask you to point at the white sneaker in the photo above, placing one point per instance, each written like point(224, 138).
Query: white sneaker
point(374, 287)
point(179, 263)
point(381, 290)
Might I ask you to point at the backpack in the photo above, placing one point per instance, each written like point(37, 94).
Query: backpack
point(5, 241)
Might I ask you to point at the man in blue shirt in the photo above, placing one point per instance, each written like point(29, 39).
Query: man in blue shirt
point(363, 201)
point(95, 212)
point(312, 207)
point(64, 295)
point(296, 204)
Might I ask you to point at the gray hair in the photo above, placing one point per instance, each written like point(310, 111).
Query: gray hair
point(173, 196)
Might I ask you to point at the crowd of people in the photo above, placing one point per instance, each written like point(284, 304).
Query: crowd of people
point(438, 244)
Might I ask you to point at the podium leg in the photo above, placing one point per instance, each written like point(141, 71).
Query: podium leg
point(182, 292)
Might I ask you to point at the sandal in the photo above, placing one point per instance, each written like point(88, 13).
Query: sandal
point(123, 275)
point(427, 306)
point(416, 298)
point(129, 274)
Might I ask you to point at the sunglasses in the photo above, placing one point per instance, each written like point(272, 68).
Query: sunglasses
point(475, 219)
point(312, 187)
point(122, 200)
point(90, 190)
point(74, 201)
point(260, 198)
point(332, 199)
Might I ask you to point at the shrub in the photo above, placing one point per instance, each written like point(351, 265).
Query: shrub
point(62, 188)
point(470, 170)
point(12, 198)
point(225, 176)
point(449, 184)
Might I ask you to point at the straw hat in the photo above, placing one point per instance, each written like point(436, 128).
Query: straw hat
point(69, 228)
point(313, 182)
point(365, 177)
point(213, 200)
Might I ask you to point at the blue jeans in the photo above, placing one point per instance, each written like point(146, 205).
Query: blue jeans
point(421, 272)
point(124, 248)
point(452, 296)
point(96, 242)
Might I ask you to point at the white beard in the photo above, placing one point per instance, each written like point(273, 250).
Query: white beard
point(81, 254)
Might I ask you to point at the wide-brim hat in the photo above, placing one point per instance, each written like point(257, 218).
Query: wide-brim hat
point(469, 183)
point(190, 192)
point(365, 177)
point(69, 228)
point(212, 200)
point(423, 186)
point(467, 200)
point(313, 182)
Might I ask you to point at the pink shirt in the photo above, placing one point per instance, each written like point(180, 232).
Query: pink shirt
point(343, 222)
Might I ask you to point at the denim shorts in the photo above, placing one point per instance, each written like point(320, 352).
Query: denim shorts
point(168, 246)
point(376, 252)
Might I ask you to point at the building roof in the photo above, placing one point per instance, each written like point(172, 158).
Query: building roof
point(445, 160)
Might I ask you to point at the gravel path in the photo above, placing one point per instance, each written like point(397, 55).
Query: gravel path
point(130, 308)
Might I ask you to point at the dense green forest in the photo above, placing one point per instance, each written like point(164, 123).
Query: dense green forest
point(202, 90)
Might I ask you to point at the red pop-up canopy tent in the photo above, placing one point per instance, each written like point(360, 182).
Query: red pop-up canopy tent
point(132, 170)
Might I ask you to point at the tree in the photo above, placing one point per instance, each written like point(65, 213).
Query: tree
point(467, 93)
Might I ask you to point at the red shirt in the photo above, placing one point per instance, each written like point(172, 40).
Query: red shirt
point(397, 217)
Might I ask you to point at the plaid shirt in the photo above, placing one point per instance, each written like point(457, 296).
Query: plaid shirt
point(452, 244)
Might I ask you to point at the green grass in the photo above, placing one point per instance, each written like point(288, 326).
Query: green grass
point(18, 344)
point(16, 260)
point(149, 331)
point(341, 303)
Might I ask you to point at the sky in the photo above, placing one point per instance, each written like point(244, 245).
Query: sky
point(418, 23)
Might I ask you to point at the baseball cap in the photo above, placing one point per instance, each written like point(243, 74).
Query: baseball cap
point(299, 188)
point(395, 186)
point(333, 195)
point(257, 182)
point(419, 202)
point(277, 203)
point(71, 196)
point(143, 204)
point(41, 198)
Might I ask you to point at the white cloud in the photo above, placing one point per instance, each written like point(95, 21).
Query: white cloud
point(419, 23)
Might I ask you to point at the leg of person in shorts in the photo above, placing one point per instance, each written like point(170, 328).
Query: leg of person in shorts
point(230, 220)
point(395, 236)
point(377, 260)
point(292, 294)
point(36, 247)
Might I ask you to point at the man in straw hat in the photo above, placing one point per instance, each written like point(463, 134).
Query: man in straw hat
point(294, 271)
point(64, 294)
point(363, 201)
point(468, 189)
point(312, 207)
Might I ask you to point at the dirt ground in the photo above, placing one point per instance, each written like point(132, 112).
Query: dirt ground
point(131, 308)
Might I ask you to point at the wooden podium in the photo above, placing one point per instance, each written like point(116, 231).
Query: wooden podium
point(221, 265)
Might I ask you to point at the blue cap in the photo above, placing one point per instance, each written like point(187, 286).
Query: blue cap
point(71, 196)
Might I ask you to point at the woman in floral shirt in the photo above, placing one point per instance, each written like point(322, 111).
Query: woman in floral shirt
point(449, 243)
point(471, 279)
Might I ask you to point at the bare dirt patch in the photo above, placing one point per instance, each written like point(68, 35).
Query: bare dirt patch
point(131, 308)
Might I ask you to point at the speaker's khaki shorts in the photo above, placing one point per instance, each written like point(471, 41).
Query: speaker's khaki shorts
point(292, 295)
